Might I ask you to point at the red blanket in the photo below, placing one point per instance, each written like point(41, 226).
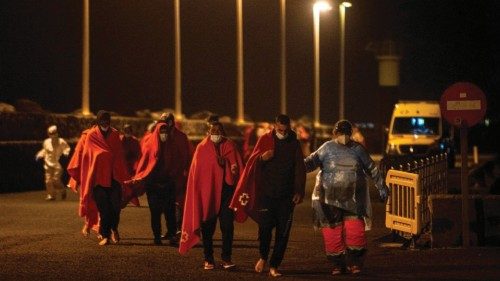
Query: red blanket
point(246, 196)
point(204, 187)
point(132, 152)
point(178, 161)
point(99, 161)
point(89, 210)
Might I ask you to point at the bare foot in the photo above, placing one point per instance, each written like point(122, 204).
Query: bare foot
point(85, 231)
point(259, 266)
point(273, 272)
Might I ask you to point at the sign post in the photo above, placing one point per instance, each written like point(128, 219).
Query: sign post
point(463, 105)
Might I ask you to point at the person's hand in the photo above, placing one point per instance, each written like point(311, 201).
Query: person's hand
point(132, 181)
point(297, 198)
point(267, 155)
point(234, 169)
point(384, 193)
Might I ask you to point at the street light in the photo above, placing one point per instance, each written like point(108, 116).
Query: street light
point(342, 8)
point(318, 7)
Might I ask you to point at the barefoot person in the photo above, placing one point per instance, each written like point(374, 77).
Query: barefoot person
point(101, 174)
point(272, 183)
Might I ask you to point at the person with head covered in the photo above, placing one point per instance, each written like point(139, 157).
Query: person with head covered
point(100, 171)
point(340, 199)
point(53, 148)
point(161, 173)
point(214, 172)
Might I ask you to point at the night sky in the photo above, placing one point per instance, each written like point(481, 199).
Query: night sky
point(132, 54)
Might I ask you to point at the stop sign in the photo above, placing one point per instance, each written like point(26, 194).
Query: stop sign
point(463, 103)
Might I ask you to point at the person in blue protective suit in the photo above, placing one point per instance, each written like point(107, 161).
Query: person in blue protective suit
point(340, 200)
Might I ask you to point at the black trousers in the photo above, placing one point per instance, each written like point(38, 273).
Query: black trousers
point(226, 223)
point(108, 201)
point(276, 213)
point(161, 200)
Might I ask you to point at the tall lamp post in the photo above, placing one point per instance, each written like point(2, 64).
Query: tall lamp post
point(283, 56)
point(178, 78)
point(239, 52)
point(86, 58)
point(342, 8)
point(318, 7)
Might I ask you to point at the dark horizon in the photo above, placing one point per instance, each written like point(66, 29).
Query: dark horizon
point(132, 55)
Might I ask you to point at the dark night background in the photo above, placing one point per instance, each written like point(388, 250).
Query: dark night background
point(132, 54)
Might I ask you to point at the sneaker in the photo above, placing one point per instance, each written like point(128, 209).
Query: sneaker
point(227, 264)
point(208, 265)
point(50, 198)
point(157, 241)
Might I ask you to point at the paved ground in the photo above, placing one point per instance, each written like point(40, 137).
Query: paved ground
point(41, 240)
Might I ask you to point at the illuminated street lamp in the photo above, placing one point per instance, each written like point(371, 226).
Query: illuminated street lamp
point(85, 58)
point(342, 8)
point(318, 7)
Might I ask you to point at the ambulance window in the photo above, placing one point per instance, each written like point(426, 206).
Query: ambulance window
point(416, 125)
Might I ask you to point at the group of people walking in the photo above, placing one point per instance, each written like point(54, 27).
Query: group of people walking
point(194, 190)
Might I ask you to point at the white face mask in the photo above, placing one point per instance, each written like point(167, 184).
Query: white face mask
point(215, 138)
point(280, 136)
point(163, 137)
point(343, 139)
point(104, 129)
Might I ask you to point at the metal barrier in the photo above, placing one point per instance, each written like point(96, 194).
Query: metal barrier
point(410, 185)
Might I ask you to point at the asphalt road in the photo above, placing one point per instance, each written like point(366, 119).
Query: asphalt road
point(40, 240)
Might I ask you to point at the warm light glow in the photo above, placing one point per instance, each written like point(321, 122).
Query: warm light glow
point(346, 4)
point(322, 6)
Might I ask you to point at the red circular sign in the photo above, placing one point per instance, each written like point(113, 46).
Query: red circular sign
point(463, 103)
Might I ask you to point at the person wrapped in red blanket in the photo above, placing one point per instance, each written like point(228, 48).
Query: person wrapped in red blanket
point(101, 172)
point(272, 183)
point(214, 172)
point(87, 208)
point(161, 173)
